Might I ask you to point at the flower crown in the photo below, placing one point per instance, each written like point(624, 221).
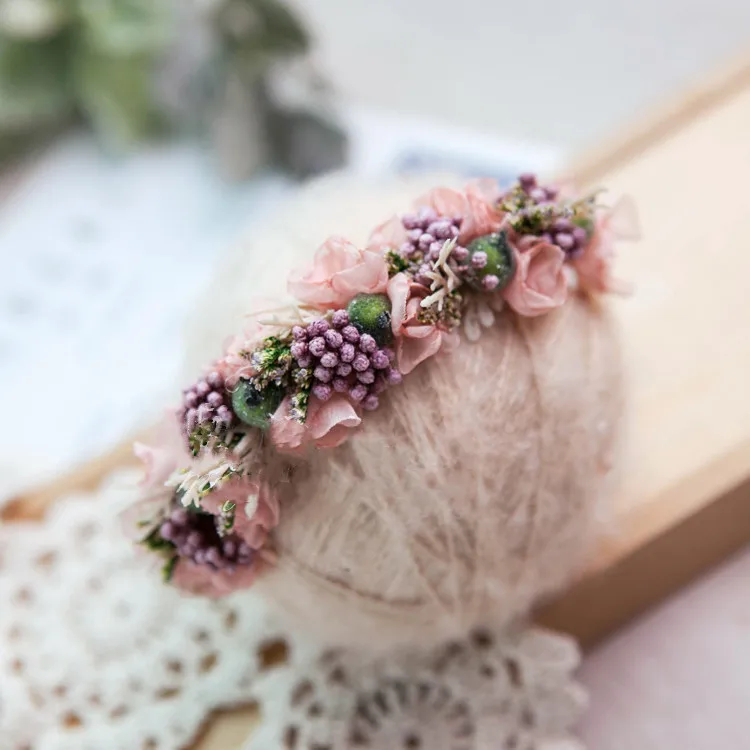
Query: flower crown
point(306, 375)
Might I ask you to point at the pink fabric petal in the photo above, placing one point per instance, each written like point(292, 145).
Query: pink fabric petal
point(167, 453)
point(158, 463)
point(337, 435)
point(486, 189)
point(286, 433)
point(255, 529)
point(139, 518)
point(398, 292)
point(539, 284)
point(623, 220)
point(414, 341)
point(233, 365)
point(339, 272)
point(449, 342)
point(389, 235)
point(328, 424)
point(419, 331)
point(445, 201)
point(246, 494)
point(323, 417)
point(594, 267)
point(476, 205)
point(200, 580)
point(413, 351)
point(313, 286)
point(369, 276)
point(525, 242)
point(482, 217)
point(334, 255)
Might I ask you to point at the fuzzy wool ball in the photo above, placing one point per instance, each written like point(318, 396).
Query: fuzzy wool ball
point(473, 490)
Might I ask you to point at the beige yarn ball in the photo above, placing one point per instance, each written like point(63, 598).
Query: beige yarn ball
point(472, 491)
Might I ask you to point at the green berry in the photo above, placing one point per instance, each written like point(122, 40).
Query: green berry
point(371, 313)
point(256, 407)
point(500, 259)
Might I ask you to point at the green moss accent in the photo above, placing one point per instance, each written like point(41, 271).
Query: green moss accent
point(396, 263)
point(371, 313)
point(272, 361)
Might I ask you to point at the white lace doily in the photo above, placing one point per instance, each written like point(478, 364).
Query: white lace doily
point(97, 654)
point(488, 692)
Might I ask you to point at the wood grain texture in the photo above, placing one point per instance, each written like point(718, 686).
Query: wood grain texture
point(686, 499)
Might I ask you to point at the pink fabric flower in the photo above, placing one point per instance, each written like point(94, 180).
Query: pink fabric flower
point(594, 267)
point(539, 284)
point(339, 272)
point(445, 201)
point(414, 341)
point(137, 520)
point(327, 424)
point(202, 580)
point(166, 454)
point(234, 364)
point(390, 235)
point(484, 217)
point(476, 205)
point(256, 508)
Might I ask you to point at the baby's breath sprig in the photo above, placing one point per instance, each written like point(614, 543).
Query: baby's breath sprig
point(272, 362)
point(303, 381)
point(536, 210)
point(193, 485)
point(396, 263)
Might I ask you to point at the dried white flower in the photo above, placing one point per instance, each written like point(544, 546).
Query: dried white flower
point(285, 316)
point(213, 468)
point(251, 506)
point(479, 313)
point(443, 280)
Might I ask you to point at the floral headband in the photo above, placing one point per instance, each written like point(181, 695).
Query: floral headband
point(307, 374)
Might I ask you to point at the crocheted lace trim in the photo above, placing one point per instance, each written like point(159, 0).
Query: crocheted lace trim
point(95, 652)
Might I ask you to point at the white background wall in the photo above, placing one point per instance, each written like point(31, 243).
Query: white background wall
point(565, 72)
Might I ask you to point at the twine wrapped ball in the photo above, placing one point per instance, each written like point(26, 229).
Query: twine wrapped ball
point(472, 492)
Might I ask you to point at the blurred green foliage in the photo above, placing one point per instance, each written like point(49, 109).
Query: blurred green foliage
point(96, 60)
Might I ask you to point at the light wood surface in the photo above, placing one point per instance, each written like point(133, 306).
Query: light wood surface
point(686, 344)
point(686, 499)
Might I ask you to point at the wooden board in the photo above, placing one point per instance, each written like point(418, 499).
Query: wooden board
point(686, 500)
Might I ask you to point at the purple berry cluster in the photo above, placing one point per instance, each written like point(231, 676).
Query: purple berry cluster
point(341, 360)
point(570, 238)
point(562, 232)
point(206, 402)
point(427, 232)
point(195, 537)
point(536, 192)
